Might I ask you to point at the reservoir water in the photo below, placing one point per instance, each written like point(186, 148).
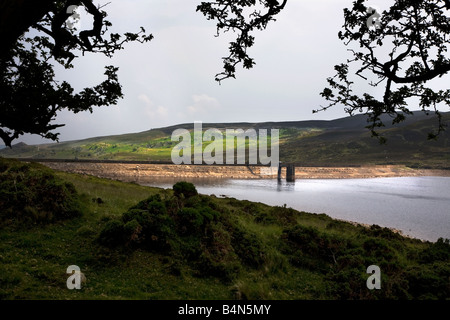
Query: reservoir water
point(418, 206)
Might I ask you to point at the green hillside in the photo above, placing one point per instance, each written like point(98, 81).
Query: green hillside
point(136, 242)
point(343, 141)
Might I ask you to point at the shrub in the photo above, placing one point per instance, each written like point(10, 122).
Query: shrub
point(429, 281)
point(192, 202)
point(208, 265)
point(307, 247)
point(265, 218)
point(438, 251)
point(145, 203)
point(284, 216)
point(32, 193)
point(112, 234)
point(347, 284)
point(277, 215)
point(133, 231)
point(147, 224)
point(184, 188)
point(337, 225)
point(307, 239)
point(248, 247)
point(382, 232)
point(379, 249)
point(190, 221)
point(152, 227)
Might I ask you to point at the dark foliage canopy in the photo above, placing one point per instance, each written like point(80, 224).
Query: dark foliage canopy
point(30, 95)
point(405, 50)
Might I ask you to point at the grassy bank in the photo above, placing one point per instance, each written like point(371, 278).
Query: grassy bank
point(135, 242)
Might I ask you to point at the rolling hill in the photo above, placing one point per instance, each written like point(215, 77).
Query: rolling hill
point(343, 141)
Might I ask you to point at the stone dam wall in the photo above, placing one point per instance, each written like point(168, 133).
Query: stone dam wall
point(134, 171)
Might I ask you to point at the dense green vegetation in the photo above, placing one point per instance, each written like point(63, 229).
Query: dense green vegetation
point(136, 242)
point(338, 142)
point(30, 193)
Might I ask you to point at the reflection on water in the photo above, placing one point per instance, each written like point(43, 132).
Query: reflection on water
point(419, 206)
point(285, 186)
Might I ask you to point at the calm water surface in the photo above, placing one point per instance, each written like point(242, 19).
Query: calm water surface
point(418, 206)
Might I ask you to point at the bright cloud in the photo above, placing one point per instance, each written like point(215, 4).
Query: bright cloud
point(203, 104)
point(151, 110)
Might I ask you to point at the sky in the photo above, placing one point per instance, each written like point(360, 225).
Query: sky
point(170, 80)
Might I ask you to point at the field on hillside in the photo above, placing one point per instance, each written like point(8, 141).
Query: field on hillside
point(307, 143)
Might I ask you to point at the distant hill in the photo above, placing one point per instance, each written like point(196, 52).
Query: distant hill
point(343, 141)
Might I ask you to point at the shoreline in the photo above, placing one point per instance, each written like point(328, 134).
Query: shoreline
point(142, 174)
point(133, 171)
